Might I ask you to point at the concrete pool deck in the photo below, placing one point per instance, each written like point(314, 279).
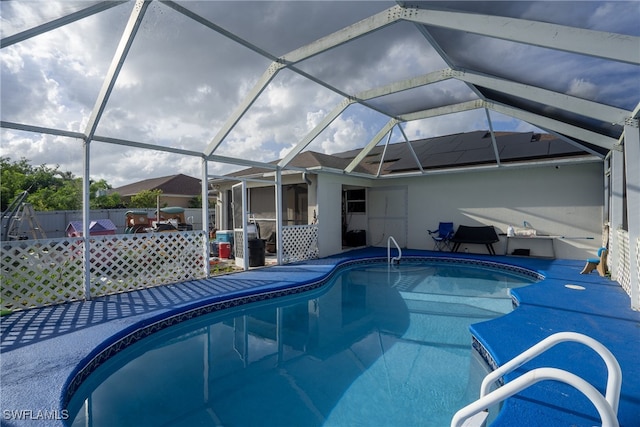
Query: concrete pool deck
point(43, 349)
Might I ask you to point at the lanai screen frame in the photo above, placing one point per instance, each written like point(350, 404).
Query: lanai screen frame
point(618, 48)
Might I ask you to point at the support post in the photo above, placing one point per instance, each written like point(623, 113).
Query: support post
point(616, 204)
point(245, 217)
point(279, 238)
point(205, 215)
point(86, 220)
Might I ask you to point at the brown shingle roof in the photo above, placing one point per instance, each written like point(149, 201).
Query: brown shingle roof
point(458, 150)
point(174, 184)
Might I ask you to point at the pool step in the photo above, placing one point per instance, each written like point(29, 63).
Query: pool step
point(458, 304)
point(441, 323)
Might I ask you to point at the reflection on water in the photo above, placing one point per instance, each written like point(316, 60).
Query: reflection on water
point(378, 347)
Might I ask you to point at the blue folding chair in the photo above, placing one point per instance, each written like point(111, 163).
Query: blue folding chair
point(442, 236)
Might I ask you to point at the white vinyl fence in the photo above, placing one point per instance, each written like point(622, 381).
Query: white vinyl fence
point(36, 273)
point(623, 253)
point(299, 243)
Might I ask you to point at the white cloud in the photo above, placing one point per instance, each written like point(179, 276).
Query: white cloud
point(345, 133)
point(181, 81)
point(583, 89)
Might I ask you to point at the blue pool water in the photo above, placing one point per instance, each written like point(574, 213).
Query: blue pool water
point(375, 346)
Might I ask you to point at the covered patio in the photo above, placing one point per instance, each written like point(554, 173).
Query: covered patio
point(443, 80)
point(199, 83)
point(61, 345)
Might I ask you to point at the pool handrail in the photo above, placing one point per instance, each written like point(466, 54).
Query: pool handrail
point(394, 259)
point(614, 374)
point(606, 412)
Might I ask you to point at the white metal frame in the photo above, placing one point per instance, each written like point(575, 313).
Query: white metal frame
point(607, 406)
point(620, 48)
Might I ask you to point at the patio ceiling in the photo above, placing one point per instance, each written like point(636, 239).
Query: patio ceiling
point(466, 56)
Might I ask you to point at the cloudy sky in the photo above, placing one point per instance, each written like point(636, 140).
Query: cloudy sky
point(181, 81)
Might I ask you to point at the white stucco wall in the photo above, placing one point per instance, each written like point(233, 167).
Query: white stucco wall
point(565, 201)
point(329, 208)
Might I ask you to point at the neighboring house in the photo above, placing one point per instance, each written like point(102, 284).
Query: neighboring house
point(177, 190)
point(549, 183)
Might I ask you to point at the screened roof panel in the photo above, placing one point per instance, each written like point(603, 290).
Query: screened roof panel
point(206, 74)
point(395, 52)
point(19, 16)
point(282, 26)
point(174, 92)
point(348, 131)
point(591, 15)
point(604, 128)
point(282, 115)
point(424, 97)
point(595, 79)
point(53, 79)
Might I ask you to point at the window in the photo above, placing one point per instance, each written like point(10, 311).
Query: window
point(356, 201)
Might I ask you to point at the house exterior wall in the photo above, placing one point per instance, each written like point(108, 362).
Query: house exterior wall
point(388, 215)
point(329, 208)
point(564, 201)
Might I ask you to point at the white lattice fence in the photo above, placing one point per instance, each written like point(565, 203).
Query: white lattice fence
point(299, 242)
point(623, 254)
point(637, 283)
point(41, 272)
point(136, 261)
point(36, 273)
point(238, 247)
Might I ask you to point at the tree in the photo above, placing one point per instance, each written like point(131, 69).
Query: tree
point(145, 199)
point(100, 198)
point(49, 188)
point(12, 179)
point(196, 202)
point(60, 196)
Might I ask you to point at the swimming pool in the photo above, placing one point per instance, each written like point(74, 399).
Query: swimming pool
point(375, 346)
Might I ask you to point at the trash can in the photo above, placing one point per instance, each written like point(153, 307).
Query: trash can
point(256, 252)
point(356, 238)
point(224, 249)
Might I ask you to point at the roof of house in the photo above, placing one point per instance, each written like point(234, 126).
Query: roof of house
point(457, 150)
point(174, 184)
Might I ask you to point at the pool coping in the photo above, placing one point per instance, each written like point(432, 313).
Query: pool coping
point(40, 371)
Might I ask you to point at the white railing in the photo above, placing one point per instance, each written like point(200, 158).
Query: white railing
point(42, 272)
point(394, 259)
point(606, 406)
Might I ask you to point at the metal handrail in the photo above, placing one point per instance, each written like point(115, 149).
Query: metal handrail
point(614, 378)
point(606, 412)
point(394, 259)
